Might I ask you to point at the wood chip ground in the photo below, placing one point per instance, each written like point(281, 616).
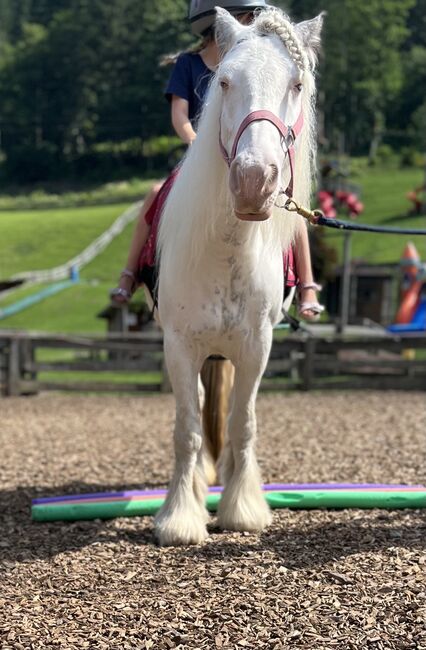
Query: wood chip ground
point(315, 580)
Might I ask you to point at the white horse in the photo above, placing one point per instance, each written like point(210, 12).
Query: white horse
point(220, 242)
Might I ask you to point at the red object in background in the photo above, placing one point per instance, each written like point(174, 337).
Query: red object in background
point(351, 201)
point(355, 208)
point(417, 196)
point(340, 195)
point(409, 304)
point(326, 202)
point(348, 200)
point(411, 286)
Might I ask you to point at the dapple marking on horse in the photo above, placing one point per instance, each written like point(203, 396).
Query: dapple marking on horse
point(220, 244)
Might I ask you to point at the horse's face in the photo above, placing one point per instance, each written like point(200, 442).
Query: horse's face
point(257, 73)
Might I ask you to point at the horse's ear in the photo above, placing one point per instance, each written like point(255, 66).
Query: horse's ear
point(309, 32)
point(227, 30)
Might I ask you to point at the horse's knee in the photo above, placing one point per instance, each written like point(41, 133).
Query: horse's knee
point(188, 443)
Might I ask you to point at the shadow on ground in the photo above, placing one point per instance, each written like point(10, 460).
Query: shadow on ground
point(310, 545)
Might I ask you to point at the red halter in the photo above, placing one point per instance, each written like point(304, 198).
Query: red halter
point(288, 134)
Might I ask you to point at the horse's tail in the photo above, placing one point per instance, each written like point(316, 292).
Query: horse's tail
point(217, 377)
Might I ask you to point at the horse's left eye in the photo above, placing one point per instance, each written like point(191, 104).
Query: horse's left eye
point(224, 85)
point(298, 87)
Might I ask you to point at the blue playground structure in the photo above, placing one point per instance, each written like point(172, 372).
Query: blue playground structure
point(411, 316)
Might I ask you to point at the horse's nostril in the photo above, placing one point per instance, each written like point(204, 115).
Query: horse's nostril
point(273, 173)
point(272, 178)
point(236, 178)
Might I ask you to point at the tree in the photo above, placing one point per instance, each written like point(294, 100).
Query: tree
point(75, 73)
point(92, 74)
point(361, 71)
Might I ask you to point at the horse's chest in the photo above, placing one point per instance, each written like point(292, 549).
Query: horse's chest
point(224, 302)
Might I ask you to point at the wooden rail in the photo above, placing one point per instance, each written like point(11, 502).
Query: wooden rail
point(33, 362)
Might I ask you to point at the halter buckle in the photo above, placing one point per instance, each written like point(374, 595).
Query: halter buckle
point(290, 138)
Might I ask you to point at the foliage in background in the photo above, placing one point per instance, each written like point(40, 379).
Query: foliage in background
point(77, 76)
point(87, 73)
point(362, 70)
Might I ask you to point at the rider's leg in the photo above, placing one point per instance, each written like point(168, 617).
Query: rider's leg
point(302, 258)
point(140, 236)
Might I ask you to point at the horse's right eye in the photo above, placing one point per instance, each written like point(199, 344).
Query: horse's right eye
point(224, 85)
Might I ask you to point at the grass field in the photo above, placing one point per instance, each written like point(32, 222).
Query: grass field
point(40, 239)
point(384, 197)
point(45, 238)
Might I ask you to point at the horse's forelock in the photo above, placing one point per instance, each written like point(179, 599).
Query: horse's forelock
point(275, 21)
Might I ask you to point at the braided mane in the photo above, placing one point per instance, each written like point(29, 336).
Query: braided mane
point(274, 21)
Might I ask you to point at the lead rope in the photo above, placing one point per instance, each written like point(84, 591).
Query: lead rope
point(317, 218)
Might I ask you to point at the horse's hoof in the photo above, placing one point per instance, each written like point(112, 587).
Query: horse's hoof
point(179, 530)
point(243, 525)
point(182, 535)
point(244, 518)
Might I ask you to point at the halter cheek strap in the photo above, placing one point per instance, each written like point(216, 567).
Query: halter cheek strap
point(288, 135)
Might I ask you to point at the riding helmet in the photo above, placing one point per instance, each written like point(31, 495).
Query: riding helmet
point(202, 12)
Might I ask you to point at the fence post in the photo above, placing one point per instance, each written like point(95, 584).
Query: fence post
point(13, 378)
point(308, 368)
point(294, 373)
point(346, 284)
point(27, 362)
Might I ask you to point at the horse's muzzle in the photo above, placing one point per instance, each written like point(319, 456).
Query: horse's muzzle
point(252, 184)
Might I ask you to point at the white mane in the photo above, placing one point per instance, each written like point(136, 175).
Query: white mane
point(200, 195)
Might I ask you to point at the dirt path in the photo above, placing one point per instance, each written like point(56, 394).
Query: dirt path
point(314, 580)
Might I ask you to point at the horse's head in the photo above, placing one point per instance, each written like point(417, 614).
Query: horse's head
point(265, 78)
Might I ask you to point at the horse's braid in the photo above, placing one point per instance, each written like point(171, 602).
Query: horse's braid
point(273, 21)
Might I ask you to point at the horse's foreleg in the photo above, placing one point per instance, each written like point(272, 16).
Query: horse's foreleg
point(183, 517)
point(243, 506)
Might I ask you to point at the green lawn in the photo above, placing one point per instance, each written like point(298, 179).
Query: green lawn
point(72, 310)
point(384, 197)
point(45, 238)
point(41, 239)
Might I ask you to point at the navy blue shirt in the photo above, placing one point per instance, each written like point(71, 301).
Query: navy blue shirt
point(190, 80)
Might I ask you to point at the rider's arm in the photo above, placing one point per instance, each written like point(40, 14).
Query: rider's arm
point(180, 119)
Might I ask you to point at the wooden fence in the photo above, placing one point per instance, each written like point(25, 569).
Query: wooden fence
point(33, 362)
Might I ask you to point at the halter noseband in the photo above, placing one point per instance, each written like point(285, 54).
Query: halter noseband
point(288, 135)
